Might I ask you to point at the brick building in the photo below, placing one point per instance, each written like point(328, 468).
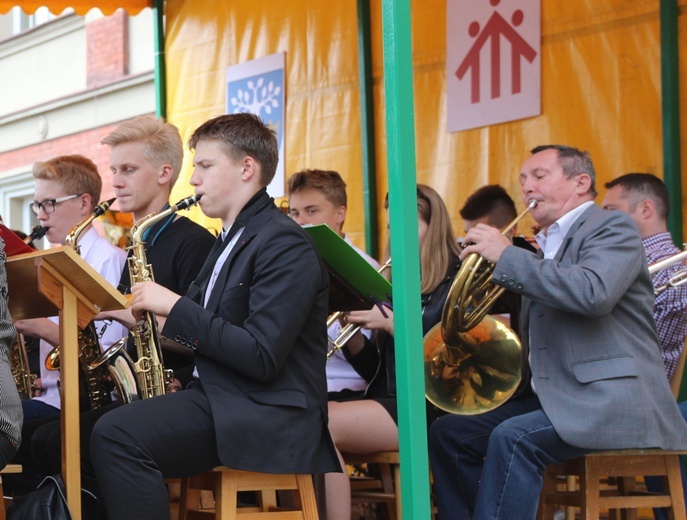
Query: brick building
point(65, 82)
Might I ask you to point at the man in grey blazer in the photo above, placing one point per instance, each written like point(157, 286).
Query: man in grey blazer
point(255, 321)
point(590, 342)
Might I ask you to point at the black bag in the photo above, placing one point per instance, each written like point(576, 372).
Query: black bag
point(48, 502)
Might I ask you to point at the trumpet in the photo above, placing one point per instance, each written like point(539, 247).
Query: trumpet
point(346, 333)
point(472, 361)
point(677, 279)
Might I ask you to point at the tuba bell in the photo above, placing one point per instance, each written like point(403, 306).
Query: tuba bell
point(472, 361)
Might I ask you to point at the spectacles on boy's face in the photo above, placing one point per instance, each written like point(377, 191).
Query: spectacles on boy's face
point(48, 205)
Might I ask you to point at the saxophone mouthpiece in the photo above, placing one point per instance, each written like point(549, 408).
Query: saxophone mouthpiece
point(104, 206)
point(187, 202)
point(37, 233)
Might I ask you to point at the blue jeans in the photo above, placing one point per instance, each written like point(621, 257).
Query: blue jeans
point(490, 466)
point(35, 409)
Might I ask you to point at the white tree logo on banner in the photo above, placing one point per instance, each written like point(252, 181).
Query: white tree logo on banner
point(257, 87)
point(257, 97)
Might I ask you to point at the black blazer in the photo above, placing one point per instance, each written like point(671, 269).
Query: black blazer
point(259, 348)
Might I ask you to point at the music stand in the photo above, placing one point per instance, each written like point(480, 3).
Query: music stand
point(353, 283)
point(45, 283)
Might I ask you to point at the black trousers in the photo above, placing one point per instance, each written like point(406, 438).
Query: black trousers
point(136, 446)
point(46, 447)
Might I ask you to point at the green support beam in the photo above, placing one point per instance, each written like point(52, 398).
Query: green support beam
point(159, 64)
point(412, 422)
point(367, 129)
point(670, 107)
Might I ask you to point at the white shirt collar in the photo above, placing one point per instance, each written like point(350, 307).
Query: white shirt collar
point(551, 239)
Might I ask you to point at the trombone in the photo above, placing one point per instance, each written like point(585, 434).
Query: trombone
point(677, 279)
point(346, 333)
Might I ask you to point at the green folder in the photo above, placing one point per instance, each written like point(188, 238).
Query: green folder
point(353, 283)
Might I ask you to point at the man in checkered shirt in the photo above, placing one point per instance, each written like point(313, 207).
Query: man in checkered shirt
point(645, 198)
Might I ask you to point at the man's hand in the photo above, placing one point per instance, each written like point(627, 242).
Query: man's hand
point(486, 241)
point(151, 297)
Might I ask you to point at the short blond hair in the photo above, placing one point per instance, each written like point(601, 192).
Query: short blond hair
point(75, 173)
point(161, 141)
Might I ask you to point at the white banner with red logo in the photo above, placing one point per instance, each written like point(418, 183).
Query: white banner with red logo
point(493, 62)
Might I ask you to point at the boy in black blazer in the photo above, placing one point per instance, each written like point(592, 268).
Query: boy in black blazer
point(255, 319)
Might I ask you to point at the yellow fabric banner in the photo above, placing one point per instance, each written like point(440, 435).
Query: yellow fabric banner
point(600, 90)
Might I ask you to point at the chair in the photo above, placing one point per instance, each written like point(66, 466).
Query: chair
point(10, 468)
point(227, 483)
point(383, 488)
point(623, 466)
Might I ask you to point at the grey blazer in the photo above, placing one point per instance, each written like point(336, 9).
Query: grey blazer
point(588, 327)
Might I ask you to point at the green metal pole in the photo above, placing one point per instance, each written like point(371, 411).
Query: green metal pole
point(412, 422)
point(367, 129)
point(670, 107)
point(159, 65)
point(670, 101)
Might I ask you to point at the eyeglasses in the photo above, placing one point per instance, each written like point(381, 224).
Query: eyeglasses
point(48, 205)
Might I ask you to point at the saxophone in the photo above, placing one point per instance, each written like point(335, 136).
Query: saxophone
point(89, 346)
point(151, 378)
point(19, 362)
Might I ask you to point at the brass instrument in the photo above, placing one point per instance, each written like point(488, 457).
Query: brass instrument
point(150, 379)
point(346, 333)
point(472, 361)
point(89, 346)
point(19, 363)
point(677, 279)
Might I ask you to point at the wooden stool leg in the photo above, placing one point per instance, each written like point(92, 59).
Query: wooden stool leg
point(226, 495)
point(397, 487)
point(2, 496)
point(589, 490)
point(570, 485)
point(306, 494)
point(674, 487)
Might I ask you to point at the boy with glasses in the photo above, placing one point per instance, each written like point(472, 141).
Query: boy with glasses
point(67, 190)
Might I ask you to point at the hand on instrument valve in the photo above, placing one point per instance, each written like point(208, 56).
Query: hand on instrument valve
point(486, 241)
point(174, 386)
point(151, 297)
point(37, 387)
point(373, 319)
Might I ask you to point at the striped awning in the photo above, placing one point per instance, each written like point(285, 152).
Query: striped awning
point(80, 6)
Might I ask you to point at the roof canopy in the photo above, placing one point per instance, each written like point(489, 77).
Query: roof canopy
point(80, 6)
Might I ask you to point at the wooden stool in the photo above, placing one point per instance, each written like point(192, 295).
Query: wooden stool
point(385, 489)
point(624, 466)
point(10, 468)
point(227, 483)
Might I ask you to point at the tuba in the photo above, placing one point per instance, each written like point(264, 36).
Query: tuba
point(677, 279)
point(472, 361)
point(89, 346)
point(146, 377)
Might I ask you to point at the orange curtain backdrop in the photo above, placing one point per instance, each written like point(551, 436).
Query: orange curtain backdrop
point(322, 114)
point(600, 90)
point(80, 7)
